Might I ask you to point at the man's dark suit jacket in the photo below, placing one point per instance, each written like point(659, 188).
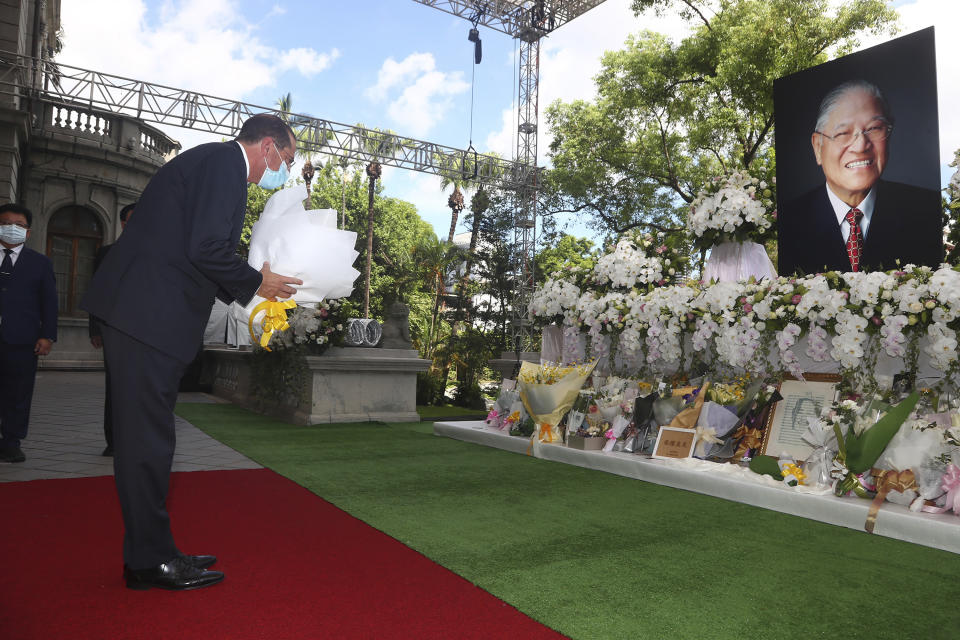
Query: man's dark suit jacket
point(93, 324)
point(28, 300)
point(158, 281)
point(907, 224)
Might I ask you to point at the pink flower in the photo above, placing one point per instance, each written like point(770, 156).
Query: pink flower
point(796, 299)
point(748, 308)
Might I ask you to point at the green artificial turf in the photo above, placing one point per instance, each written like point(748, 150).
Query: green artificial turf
point(428, 412)
point(595, 555)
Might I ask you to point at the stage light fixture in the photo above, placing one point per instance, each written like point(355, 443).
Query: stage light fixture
point(474, 37)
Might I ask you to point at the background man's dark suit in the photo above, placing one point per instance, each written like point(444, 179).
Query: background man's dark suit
point(28, 311)
point(154, 292)
point(907, 224)
point(95, 328)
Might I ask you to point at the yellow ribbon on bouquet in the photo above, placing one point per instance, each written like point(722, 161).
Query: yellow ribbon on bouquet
point(887, 481)
point(274, 320)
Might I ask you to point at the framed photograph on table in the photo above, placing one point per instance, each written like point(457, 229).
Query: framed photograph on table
point(802, 400)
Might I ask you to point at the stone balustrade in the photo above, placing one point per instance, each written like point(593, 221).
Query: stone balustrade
point(107, 129)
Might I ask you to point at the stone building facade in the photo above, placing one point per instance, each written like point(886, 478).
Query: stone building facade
point(73, 166)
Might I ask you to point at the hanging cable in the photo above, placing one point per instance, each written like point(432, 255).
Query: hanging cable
point(474, 37)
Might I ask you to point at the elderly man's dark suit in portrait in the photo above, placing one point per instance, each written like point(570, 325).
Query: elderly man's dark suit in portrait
point(906, 225)
point(153, 294)
point(856, 221)
point(28, 325)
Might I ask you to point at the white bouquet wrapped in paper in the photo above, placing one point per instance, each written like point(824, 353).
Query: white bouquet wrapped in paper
point(302, 244)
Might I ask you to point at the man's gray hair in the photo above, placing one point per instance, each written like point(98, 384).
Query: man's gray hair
point(830, 100)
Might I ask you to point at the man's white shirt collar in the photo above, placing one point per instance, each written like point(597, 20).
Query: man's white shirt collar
point(15, 252)
point(246, 160)
point(840, 208)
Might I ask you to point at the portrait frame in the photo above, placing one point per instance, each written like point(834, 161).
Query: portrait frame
point(674, 452)
point(787, 421)
point(810, 238)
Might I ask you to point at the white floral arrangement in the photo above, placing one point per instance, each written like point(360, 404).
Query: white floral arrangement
point(556, 300)
point(638, 259)
point(313, 326)
point(849, 318)
point(733, 208)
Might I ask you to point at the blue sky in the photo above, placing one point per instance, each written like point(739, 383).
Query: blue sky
point(391, 64)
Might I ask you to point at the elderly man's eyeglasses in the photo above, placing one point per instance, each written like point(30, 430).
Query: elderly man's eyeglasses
point(876, 133)
point(289, 162)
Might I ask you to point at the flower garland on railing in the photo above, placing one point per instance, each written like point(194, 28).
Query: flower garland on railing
point(734, 208)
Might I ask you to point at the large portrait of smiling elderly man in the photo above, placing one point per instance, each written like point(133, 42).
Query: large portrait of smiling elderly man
point(858, 175)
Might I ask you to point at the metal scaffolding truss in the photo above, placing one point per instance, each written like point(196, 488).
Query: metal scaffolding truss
point(85, 89)
point(524, 19)
point(528, 21)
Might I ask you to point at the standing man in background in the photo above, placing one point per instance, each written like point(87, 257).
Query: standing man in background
point(28, 325)
point(154, 293)
point(96, 339)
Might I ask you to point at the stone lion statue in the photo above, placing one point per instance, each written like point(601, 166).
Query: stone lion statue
point(396, 329)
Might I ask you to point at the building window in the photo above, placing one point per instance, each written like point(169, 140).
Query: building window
point(73, 236)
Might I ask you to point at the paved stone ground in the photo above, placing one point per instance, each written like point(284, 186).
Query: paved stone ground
point(65, 438)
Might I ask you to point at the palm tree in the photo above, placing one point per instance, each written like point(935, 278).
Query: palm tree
point(479, 204)
point(344, 162)
point(378, 144)
point(455, 174)
point(435, 259)
point(300, 125)
point(373, 174)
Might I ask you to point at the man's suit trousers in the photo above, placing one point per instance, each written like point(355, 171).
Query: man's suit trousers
point(144, 385)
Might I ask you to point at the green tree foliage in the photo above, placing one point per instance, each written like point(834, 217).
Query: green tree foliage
point(670, 115)
point(398, 231)
point(566, 251)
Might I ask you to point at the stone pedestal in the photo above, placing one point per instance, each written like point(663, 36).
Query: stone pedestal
point(508, 362)
point(345, 384)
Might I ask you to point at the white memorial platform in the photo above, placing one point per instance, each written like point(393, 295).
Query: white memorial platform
point(730, 482)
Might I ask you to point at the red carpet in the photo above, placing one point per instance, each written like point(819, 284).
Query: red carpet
point(296, 567)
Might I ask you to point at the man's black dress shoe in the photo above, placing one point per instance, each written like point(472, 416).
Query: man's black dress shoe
point(201, 562)
point(13, 454)
point(179, 575)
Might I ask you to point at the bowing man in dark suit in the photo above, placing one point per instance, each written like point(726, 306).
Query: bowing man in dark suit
point(856, 221)
point(96, 339)
point(153, 293)
point(28, 325)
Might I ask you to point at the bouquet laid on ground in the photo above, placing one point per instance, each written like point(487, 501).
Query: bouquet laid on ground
point(508, 409)
point(758, 401)
point(548, 392)
point(576, 417)
point(869, 430)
